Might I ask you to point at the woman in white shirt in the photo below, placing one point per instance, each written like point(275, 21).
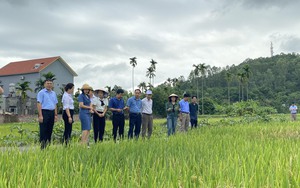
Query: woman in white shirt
point(68, 111)
point(100, 104)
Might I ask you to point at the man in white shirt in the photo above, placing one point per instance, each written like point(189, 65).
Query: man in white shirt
point(293, 110)
point(147, 118)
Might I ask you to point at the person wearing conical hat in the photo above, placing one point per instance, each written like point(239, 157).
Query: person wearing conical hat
point(172, 108)
point(85, 110)
point(100, 104)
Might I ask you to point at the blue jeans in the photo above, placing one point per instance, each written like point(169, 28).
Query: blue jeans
point(171, 124)
point(135, 122)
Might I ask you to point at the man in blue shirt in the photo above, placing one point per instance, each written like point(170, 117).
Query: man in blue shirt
point(117, 106)
point(184, 112)
point(46, 105)
point(134, 105)
point(293, 109)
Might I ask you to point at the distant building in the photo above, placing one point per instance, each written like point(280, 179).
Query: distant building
point(32, 70)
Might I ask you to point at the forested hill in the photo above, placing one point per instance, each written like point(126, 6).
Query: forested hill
point(273, 81)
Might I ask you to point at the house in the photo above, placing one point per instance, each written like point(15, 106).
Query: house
point(31, 71)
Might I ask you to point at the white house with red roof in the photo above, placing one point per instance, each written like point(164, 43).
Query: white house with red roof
point(32, 70)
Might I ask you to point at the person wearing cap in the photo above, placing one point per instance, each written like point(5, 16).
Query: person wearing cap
point(134, 105)
point(194, 112)
point(68, 111)
point(100, 107)
point(147, 118)
point(117, 106)
point(293, 109)
point(47, 112)
point(172, 108)
point(85, 111)
point(184, 112)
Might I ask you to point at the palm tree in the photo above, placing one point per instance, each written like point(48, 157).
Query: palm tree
point(241, 78)
point(153, 65)
point(150, 73)
point(150, 86)
point(133, 63)
point(22, 88)
point(143, 86)
point(228, 79)
point(196, 75)
point(202, 69)
point(247, 72)
point(39, 84)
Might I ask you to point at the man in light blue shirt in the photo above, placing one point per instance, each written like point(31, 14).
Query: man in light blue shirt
point(184, 112)
point(293, 109)
point(134, 104)
point(46, 105)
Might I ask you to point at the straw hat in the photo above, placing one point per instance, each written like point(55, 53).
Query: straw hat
point(86, 86)
point(173, 95)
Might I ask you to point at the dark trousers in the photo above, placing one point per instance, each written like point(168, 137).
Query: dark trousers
point(68, 126)
point(135, 121)
point(98, 127)
point(118, 122)
point(46, 127)
point(194, 123)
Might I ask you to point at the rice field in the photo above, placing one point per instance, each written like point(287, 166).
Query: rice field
point(255, 154)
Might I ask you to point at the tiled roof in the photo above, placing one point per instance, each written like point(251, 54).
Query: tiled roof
point(28, 66)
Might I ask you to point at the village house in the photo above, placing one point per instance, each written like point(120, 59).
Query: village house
point(31, 71)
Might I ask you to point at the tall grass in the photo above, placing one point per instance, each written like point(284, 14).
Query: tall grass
point(248, 155)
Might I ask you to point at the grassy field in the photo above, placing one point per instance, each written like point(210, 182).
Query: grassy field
point(247, 153)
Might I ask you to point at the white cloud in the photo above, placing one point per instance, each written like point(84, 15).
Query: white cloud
point(101, 36)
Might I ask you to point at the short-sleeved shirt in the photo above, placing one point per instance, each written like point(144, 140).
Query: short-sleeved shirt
point(184, 106)
point(100, 104)
point(293, 109)
point(117, 104)
point(67, 101)
point(193, 110)
point(134, 104)
point(85, 99)
point(147, 106)
point(47, 99)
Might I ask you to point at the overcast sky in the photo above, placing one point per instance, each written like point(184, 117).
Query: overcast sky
point(97, 37)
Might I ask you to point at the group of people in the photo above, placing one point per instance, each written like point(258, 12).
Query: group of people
point(93, 105)
point(185, 111)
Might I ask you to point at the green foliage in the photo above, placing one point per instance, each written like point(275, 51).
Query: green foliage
point(248, 108)
point(208, 105)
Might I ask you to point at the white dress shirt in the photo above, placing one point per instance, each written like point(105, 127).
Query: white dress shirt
point(147, 106)
point(67, 101)
point(96, 101)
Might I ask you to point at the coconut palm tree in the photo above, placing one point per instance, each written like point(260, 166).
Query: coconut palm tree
point(133, 63)
point(22, 89)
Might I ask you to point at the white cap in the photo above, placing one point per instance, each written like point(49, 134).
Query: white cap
point(148, 92)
